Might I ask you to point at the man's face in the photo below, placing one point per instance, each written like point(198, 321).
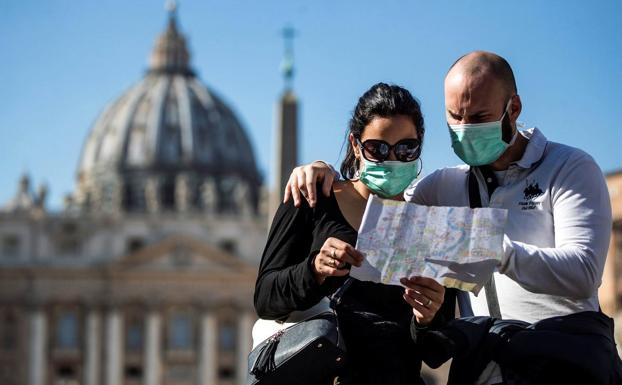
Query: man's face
point(473, 99)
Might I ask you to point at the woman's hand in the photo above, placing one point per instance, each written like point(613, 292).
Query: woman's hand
point(425, 295)
point(303, 179)
point(333, 258)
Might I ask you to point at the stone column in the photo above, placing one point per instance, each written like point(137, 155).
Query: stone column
point(92, 357)
point(152, 195)
point(208, 349)
point(152, 348)
point(37, 347)
point(114, 347)
point(245, 342)
point(183, 193)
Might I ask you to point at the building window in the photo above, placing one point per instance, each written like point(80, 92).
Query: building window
point(129, 198)
point(134, 334)
point(67, 331)
point(68, 241)
point(66, 374)
point(168, 194)
point(8, 331)
point(134, 244)
point(180, 373)
point(133, 372)
point(8, 374)
point(180, 332)
point(10, 245)
point(226, 372)
point(227, 344)
point(70, 229)
point(227, 337)
point(228, 245)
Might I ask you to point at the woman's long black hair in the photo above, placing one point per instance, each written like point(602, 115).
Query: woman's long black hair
point(384, 101)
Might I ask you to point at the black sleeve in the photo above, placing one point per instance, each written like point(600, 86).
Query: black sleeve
point(285, 281)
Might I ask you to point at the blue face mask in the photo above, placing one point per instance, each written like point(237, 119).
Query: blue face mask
point(480, 143)
point(389, 178)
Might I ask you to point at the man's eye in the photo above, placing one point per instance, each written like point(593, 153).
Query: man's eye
point(455, 117)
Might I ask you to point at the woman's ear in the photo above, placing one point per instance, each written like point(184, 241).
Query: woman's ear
point(355, 147)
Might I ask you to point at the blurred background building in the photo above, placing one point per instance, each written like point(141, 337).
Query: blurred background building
point(610, 292)
point(147, 274)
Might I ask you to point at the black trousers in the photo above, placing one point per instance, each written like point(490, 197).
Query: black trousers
point(572, 349)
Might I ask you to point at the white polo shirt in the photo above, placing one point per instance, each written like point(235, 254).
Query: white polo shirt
point(557, 233)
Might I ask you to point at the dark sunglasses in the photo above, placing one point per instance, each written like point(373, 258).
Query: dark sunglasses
point(376, 150)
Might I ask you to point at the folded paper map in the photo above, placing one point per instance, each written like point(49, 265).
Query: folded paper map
point(457, 246)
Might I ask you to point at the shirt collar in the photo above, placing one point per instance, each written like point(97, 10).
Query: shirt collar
point(535, 147)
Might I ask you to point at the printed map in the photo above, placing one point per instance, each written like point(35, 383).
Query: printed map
point(458, 246)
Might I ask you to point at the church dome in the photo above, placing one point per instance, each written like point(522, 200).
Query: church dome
point(168, 143)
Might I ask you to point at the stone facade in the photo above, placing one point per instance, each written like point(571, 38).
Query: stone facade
point(147, 275)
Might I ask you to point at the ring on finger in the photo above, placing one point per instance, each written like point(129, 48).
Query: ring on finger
point(429, 302)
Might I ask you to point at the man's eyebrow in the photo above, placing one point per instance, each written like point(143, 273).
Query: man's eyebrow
point(474, 115)
point(452, 112)
point(478, 113)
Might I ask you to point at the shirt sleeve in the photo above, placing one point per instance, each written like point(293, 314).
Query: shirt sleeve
point(286, 281)
point(582, 225)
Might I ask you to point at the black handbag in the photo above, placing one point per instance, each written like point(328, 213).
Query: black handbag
point(309, 352)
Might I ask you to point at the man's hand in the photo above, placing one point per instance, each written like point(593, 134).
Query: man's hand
point(303, 179)
point(425, 295)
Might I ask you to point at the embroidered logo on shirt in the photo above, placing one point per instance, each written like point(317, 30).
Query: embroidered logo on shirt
point(531, 192)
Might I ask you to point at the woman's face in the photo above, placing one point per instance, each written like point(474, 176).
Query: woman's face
point(391, 130)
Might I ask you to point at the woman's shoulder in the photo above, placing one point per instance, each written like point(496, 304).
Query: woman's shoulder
point(326, 202)
point(323, 203)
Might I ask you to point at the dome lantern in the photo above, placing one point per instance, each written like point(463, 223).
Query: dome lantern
point(170, 53)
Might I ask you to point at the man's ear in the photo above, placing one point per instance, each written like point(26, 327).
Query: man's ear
point(516, 106)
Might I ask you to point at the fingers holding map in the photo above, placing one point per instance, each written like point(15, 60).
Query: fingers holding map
point(457, 246)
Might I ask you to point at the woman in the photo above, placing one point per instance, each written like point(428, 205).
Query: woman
point(310, 250)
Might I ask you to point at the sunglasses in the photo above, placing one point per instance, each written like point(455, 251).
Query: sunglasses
point(376, 150)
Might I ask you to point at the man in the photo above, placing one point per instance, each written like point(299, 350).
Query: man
point(559, 215)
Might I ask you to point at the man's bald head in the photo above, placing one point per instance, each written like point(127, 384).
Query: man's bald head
point(485, 65)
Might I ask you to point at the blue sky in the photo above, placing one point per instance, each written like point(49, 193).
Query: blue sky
point(62, 61)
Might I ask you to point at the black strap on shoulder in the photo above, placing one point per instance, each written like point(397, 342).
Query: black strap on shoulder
point(490, 178)
point(475, 201)
point(474, 198)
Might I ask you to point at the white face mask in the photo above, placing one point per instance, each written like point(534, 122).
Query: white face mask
point(478, 144)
